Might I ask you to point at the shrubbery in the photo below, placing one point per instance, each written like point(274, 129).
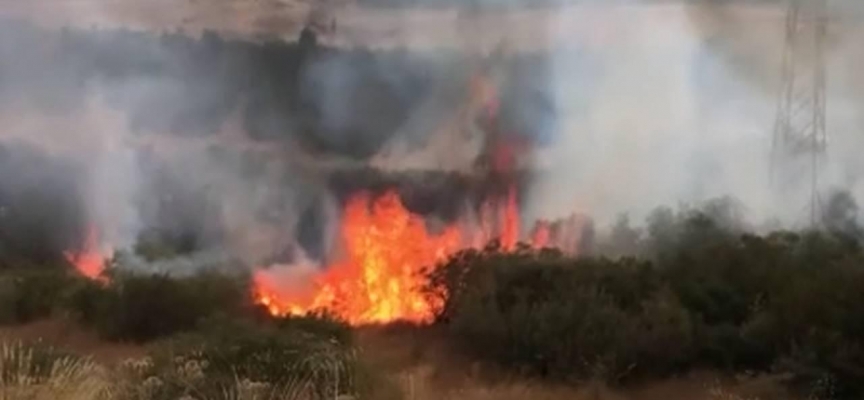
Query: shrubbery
point(709, 297)
point(211, 342)
point(558, 317)
point(146, 307)
point(225, 352)
point(133, 307)
point(27, 295)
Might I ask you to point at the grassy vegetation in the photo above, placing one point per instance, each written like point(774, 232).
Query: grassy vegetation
point(206, 339)
point(695, 293)
point(38, 372)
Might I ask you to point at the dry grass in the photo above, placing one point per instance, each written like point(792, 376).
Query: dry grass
point(419, 388)
point(69, 335)
point(421, 372)
point(426, 370)
point(36, 373)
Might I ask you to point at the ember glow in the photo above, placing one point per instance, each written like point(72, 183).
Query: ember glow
point(89, 260)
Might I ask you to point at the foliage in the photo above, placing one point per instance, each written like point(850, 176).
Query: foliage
point(321, 325)
point(241, 360)
point(145, 307)
point(227, 357)
point(706, 295)
point(558, 317)
point(27, 295)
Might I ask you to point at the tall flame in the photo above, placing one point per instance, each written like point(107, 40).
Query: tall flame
point(510, 221)
point(541, 235)
point(89, 260)
point(386, 248)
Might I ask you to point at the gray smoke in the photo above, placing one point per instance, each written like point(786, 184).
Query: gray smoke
point(225, 146)
point(680, 108)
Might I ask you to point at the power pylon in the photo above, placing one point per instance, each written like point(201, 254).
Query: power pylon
point(799, 147)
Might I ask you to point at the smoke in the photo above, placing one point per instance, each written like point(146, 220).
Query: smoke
point(627, 138)
point(676, 105)
point(747, 41)
point(167, 169)
point(205, 150)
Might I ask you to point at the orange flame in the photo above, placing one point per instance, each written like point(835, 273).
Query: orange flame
point(88, 261)
point(379, 281)
point(510, 221)
point(541, 237)
point(386, 248)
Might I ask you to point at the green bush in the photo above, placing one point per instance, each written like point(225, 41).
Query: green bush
point(145, 307)
point(709, 298)
point(28, 295)
point(558, 317)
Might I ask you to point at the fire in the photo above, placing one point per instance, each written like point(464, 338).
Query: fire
point(88, 261)
point(378, 279)
point(540, 237)
point(510, 221)
point(386, 248)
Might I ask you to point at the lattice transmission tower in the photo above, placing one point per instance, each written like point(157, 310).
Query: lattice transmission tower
point(799, 148)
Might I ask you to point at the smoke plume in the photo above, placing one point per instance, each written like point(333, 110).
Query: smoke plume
point(239, 146)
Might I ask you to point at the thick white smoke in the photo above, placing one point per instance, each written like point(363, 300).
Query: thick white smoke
point(675, 103)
